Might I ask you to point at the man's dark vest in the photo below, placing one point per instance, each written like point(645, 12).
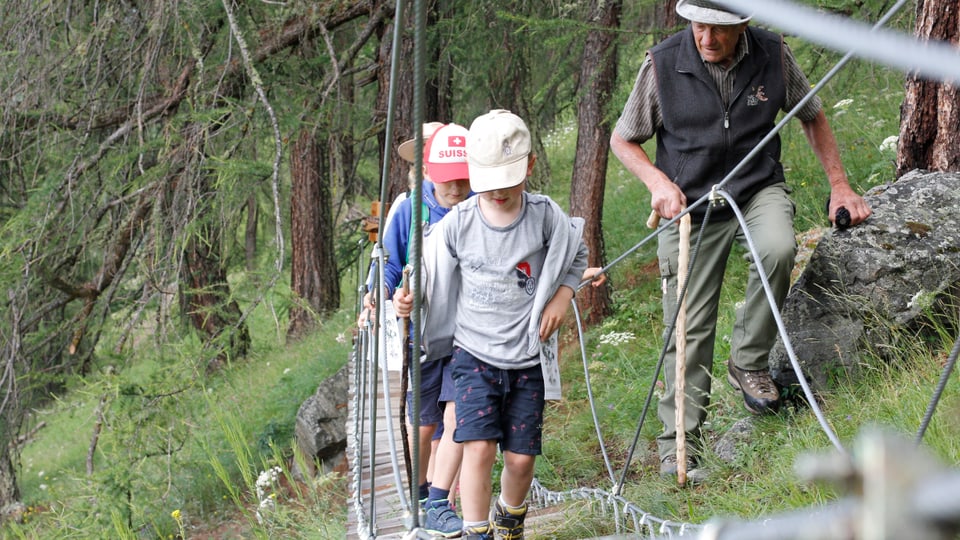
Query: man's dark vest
point(701, 141)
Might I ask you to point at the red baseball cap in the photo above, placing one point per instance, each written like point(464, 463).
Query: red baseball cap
point(445, 154)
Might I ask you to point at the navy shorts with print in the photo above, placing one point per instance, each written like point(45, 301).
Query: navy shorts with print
point(431, 380)
point(505, 405)
point(447, 393)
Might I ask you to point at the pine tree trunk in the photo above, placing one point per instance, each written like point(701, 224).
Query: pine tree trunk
point(437, 95)
point(206, 298)
point(314, 272)
point(9, 490)
point(666, 19)
point(930, 114)
point(597, 79)
point(403, 114)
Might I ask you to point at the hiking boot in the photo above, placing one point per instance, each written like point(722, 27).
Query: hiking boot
point(477, 533)
point(442, 520)
point(695, 475)
point(760, 394)
point(508, 524)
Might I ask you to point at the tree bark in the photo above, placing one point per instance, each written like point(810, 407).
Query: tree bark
point(402, 128)
point(11, 406)
point(206, 299)
point(205, 295)
point(9, 489)
point(314, 272)
point(666, 19)
point(436, 98)
point(930, 114)
point(597, 79)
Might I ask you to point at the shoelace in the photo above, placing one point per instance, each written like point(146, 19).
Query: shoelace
point(764, 385)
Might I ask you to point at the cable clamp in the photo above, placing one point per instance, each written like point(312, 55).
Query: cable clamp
point(715, 198)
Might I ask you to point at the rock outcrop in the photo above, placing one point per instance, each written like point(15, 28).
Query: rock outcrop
point(881, 287)
point(321, 428)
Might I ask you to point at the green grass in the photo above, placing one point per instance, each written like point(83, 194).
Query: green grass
point(221, 431)
point(762, 481)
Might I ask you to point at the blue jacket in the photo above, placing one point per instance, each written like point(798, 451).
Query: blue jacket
point(396, 241)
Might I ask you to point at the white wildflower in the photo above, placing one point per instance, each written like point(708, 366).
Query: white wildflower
point(265, 507)
point(341, 338)
point(288, 370)
point(266, 482)
point(617, 338)
point(889, 144)
point(843, 103)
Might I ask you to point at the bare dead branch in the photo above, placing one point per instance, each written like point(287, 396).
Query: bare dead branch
point(277, 139)
point(24, 438)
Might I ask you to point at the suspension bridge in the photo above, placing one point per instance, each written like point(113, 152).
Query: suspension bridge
point(895, 491)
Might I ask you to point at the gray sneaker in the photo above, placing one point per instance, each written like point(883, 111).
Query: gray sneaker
point(441, 520)
point(760, 394)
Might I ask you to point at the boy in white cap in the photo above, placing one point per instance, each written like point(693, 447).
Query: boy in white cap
point(508, 262)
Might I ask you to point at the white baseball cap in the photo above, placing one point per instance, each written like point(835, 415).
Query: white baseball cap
point(707, 12)
point(497, 149)
point(407, 148)
point(445, 154)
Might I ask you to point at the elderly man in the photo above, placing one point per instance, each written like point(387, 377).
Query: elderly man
point(709, 94)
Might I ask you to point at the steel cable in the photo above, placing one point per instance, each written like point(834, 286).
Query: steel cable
point(941, 386)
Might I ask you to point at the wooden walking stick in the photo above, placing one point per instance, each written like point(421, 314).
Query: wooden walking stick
point(679, 386)
point(680, 372)
point(404, 378)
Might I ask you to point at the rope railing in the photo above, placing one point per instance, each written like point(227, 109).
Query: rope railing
point(367, 360)
point(628, 517)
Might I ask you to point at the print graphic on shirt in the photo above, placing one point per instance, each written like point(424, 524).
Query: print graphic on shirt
point(526, 282)
point(756, 96)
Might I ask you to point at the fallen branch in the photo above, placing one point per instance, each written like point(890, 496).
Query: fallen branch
point(24, 438)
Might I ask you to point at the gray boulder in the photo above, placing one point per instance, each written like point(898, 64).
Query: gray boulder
point(880, 287)
point(321, 429)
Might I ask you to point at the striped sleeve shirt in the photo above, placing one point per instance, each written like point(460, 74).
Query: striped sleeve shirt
point(641, 117)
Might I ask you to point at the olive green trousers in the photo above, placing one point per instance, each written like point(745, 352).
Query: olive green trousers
point(769, 218)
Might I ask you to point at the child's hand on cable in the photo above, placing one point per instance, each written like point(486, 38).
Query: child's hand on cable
point(554, 311)
point(592, 274)
point(367, 312)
